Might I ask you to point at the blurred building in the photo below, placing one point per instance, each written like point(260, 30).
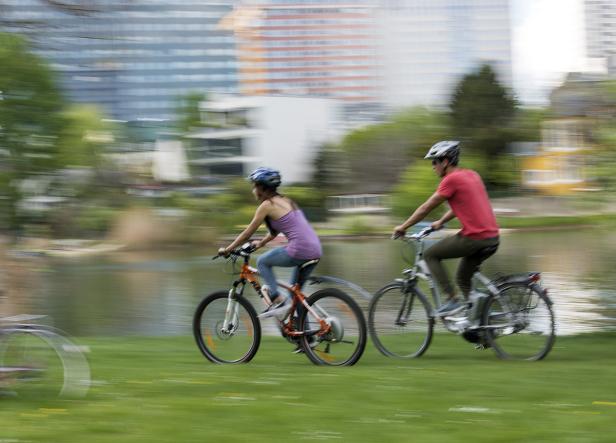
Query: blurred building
point(561, 163)
point(135, 58)
point(243, 132)
point(371, 53)
point(316, 49)
point(600, 18)
point(428, 45)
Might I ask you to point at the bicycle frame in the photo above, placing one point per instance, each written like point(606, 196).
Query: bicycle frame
point(420, 270)
point(249, 274)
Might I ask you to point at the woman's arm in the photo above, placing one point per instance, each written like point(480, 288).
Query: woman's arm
point(260, 214)
point(265, 240)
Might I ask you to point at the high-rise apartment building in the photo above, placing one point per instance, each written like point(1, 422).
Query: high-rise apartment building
point(397, 53)
point(135, 58)
point(600, 21)
point(324, 49)
point(428, 45)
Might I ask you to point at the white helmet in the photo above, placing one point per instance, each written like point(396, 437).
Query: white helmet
point(449, 149)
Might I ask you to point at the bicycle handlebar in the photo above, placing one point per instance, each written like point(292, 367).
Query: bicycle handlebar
point(243, 251)
point(417, 236)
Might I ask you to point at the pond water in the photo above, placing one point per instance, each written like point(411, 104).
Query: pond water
point(155, 293)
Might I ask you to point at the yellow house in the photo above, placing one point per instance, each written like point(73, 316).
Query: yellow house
point(559, 166)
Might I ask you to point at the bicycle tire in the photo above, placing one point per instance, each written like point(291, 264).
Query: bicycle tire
point(345, 343)
point(397, 337)
point(529, 322)
point(231, 346)
point(44, 361)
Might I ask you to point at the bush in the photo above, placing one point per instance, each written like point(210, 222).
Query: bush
point(418, 183)
point(309, 199)
point(358, 225)
point(95, 219)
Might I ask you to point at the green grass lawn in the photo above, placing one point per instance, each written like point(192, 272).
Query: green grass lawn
point(161, 389)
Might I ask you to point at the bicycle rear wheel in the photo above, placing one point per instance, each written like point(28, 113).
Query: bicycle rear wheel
point(399, 321)
point(234, 342)
point(345, 342)
point(519, 322)
point(39, 361)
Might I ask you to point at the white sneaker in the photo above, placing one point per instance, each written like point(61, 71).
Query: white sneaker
point(279, 310)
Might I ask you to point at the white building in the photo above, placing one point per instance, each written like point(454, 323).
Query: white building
point(281, 132)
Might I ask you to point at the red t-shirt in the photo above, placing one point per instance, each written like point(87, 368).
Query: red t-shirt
point(468, 199)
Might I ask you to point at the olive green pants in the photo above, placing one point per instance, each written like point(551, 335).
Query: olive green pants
point(456, 246)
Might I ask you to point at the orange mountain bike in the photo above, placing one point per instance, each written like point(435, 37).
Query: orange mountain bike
point(328, 325)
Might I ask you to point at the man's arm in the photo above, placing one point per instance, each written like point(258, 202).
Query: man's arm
point(449, 215)
point(420, 213)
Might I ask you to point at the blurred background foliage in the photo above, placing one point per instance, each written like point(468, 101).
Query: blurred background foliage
point(46, 139)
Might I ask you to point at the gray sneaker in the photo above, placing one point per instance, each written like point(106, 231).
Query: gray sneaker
point(314, 342)
point(453, 306)
point(278, 310)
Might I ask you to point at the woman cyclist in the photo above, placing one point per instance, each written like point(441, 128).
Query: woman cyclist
point(280, 214)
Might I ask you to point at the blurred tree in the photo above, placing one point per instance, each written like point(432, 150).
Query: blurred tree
point(29, 121)
point(378, 154)
point(83, 137)
point(419, 182)
point(482, 112)
point(188, 113)
point(416, 185)
point(480, 101)
point(331, 170)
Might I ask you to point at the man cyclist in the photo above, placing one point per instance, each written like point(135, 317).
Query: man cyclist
point(468, 200)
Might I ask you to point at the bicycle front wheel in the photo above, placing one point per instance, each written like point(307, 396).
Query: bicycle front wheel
point(399, 321)
point(226, 330)
point(344, 342)
point(519, 322)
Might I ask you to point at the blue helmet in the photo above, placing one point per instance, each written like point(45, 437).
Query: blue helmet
point(267, 177)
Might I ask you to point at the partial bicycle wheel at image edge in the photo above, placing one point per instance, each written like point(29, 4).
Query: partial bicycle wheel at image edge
point(40, 361)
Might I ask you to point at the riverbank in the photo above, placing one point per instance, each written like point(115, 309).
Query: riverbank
point(139, 230)
point(163, 390)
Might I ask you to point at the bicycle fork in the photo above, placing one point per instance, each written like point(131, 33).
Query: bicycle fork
point(231, 320)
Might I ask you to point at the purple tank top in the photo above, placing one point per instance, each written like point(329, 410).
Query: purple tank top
point(304, 243)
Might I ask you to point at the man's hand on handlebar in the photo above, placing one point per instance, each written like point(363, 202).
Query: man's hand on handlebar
point(399, 231)
point(436, 225)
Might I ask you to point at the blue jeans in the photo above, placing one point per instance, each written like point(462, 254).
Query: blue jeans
point(279, 257)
